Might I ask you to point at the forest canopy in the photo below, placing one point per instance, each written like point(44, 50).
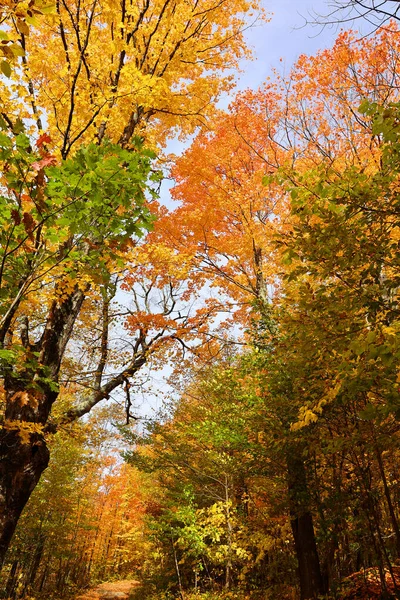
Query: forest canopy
point(269, 292)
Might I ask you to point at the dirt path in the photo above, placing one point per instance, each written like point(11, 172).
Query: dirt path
point(115, 590)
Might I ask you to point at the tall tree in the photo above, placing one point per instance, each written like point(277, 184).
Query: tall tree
point(304, 124)
point(94, 73)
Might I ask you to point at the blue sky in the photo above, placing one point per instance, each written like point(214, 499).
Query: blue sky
point(286, 37)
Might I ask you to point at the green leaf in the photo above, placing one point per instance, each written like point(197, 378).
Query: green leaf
point(5, 68)
point(19, 126)
point(22, 141)
point(367, 107)
point(5, 141)
point(7, 355)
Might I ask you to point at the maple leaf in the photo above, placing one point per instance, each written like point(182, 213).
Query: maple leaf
point(16, 216)
point(29, 223)
point(42, 140)
point(47, 161)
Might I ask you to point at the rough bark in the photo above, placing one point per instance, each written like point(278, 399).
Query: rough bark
point(21, 466)
point(309, 571)
point(30, 392)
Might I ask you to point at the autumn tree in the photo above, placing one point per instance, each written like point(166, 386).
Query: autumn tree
point(97, 76)
point(221, 480)
point(308, 262)
point(85, 519)
point(303, 126)
point(347, 345)
point(341, 139)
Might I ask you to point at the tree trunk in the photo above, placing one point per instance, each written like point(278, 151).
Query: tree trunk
point(21, 465)
point(388, 497)
point(177, 571)
point(228, 567)
point(36, 560)
point(309, 571)
point(31, 388)
point(12, 580)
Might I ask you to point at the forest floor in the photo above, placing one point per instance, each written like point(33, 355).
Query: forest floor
point(114, 590)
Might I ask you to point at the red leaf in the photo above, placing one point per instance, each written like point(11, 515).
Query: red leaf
point(29, 223)
point(47, 161)
point(16, 216)
point(43, 139)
